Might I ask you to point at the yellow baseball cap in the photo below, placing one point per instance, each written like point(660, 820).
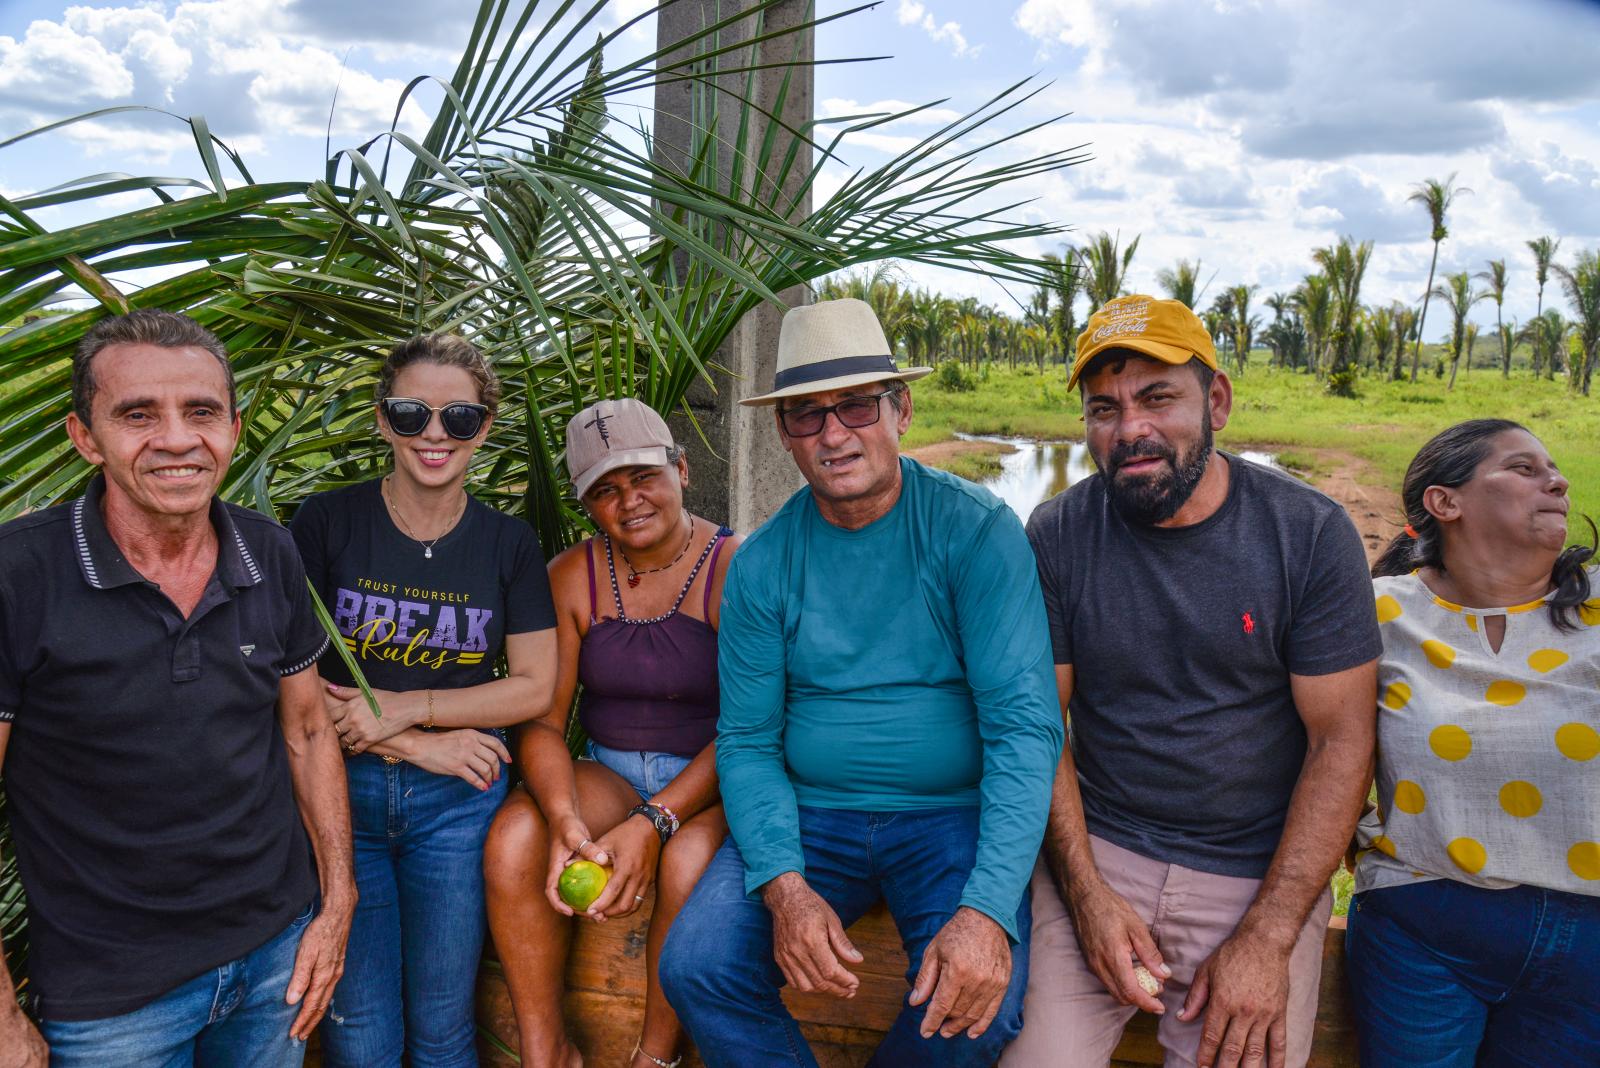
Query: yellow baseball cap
point(1165, 330)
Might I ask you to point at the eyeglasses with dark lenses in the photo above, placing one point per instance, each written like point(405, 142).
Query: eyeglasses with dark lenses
point(409, 417)
point(853, 412)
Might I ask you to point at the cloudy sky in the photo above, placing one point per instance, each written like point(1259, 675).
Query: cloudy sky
point(1241, 132)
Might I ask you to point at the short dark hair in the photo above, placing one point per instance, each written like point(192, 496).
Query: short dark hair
point(1120, 357)
point(446, 350)
point(147, 326)
point(1451, 458)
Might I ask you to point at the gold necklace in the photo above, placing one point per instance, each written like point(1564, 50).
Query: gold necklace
point(427, 546)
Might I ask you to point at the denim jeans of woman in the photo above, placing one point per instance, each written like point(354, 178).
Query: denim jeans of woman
point(648, 773)
point(1446, 975)
point(412, 965)
point(719, 974)
point(233, 1016)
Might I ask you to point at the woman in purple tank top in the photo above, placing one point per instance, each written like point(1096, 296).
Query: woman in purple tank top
point(636, 610)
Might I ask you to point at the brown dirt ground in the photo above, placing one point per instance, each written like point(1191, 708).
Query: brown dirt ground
point(1373, 507)
point(940, 452)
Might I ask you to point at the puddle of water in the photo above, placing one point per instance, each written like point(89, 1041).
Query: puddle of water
point(1039, 470)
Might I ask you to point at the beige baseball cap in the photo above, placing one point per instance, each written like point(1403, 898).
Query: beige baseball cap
point(614, 433)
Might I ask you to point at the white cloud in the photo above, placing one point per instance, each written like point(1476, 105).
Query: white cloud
point(1329, 81)
point(55, 65)
point(834, 106)
point(914, 13)
point(1564, 189)
point(1352, 202)
point(239, 63)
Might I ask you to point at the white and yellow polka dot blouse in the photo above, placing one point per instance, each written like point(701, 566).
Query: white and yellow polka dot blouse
point(1488, 763)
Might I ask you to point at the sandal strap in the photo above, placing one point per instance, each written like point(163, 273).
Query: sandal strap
point(639, 1051)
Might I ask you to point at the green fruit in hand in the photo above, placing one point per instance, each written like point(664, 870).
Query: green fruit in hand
point(581, 883)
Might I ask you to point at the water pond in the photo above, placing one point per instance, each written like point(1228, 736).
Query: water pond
point(1038, 470)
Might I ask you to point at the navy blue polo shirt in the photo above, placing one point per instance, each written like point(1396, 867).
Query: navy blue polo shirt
point(155, 823)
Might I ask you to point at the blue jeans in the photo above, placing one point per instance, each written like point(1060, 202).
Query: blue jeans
point(647, 773)
point(1446, 975)
point(412, 966)
point(230, 1017)
point(717, 967)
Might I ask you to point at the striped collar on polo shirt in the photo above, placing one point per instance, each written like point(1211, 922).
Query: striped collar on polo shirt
point(104, 566)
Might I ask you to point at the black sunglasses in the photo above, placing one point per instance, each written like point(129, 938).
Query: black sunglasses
point(409, 417)
point(853, 412)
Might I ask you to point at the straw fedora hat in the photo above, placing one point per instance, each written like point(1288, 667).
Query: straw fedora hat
point(832, 344)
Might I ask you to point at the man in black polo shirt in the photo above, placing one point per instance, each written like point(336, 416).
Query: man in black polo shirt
point(163, 738)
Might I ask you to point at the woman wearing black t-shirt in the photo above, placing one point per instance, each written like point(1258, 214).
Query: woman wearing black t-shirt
point(429, 587)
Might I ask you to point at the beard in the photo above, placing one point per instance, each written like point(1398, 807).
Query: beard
point(1150, 499)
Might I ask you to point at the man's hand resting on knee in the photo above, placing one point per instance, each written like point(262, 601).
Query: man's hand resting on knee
point(964, 974)
point(808, 941)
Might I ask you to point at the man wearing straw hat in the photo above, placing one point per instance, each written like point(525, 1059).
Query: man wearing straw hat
point(888, 730)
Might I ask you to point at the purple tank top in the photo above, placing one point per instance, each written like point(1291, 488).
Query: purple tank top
point(650, 685)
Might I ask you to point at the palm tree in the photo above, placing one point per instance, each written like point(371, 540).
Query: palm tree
point(1242, 325)
point(1458, 294)
point(1472, 343)
point(1436, 197)
point(1546, 332)
point(1345, 266)
point(1107, 268)
point(1582, 283)
point(933, 316)
point(582, 263)
point(1067, 274)
point(1281, 304)
point(1383, 331)
point(1314, 297)
point(1496, 277)
point(1405, 328)
point(1544, 254)
point(1181, 283)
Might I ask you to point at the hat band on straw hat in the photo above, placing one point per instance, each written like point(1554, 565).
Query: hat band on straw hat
point(836, 368)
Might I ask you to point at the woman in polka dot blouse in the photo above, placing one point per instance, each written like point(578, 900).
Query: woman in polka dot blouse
point(1475, 929)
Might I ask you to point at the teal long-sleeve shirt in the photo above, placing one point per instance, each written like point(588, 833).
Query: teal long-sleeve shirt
point(901, 666)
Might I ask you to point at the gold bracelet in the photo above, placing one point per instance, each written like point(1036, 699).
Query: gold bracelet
point(428, 726)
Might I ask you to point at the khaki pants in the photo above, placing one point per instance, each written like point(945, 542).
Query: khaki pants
point(1068, 1018)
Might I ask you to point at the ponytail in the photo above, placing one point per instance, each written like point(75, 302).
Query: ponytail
point(1572, 580)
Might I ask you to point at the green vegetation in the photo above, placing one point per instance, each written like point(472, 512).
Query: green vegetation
point(584, 263)
point(980, 461)
point(1292, 411)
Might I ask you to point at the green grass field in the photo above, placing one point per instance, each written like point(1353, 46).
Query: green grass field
point(1289, 412)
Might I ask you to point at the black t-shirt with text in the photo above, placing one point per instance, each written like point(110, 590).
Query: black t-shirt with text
point(1182, 641)
point(416, 623)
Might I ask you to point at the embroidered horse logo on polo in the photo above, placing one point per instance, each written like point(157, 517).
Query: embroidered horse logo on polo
point(1249, 624)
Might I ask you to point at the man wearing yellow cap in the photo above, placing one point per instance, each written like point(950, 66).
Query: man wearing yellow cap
point(1214, 643)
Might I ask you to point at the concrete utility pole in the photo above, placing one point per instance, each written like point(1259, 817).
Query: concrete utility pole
point(745, 475)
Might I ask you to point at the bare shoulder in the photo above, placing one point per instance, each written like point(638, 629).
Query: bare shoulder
point(730, 546)
point(569, 577)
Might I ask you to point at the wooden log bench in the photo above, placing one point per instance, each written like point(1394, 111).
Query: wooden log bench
point(605, 1002)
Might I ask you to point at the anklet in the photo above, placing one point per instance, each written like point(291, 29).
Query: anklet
point(638, 1051)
